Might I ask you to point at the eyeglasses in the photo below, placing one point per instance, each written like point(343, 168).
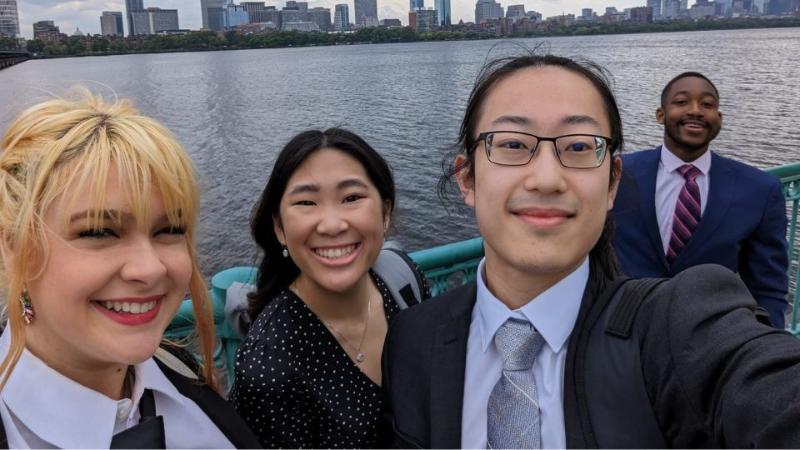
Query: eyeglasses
point(576, 151)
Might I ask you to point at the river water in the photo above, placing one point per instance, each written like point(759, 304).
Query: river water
point(234, 110)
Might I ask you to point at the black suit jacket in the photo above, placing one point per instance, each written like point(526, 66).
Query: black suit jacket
point(715, 376)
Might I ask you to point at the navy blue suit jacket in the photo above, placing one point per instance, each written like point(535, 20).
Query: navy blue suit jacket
point(743, 228)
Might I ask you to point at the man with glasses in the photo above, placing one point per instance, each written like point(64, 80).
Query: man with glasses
point(681, 205)
point(548, 348)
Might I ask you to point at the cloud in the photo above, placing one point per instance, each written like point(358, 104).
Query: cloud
point(85, 14)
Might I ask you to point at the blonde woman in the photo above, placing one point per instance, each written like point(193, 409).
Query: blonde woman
point(98, 212)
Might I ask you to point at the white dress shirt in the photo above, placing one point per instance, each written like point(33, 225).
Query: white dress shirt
point(553, 313)
point(669, 183)
point(41, 408)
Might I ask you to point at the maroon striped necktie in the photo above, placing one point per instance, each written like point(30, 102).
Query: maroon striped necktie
point(687, 212)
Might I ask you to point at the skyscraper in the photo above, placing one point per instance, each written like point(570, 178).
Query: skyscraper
point(414, 5)
point(111, 23)
point(213, 14)
point(341, 17)
point(443, 6)
point(487, 10)
point(130, 7)
point(9, 18)
point(655, 5)
point(366, 12)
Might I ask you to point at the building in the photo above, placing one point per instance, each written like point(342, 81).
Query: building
point(269, 15)
point(443, 9)
point(341, 17)
point(253, 9)
point(111, 23)
point(414, 5)
point(234, 15)
point(423, 20)
point(154, 21)
point(321, 17)
point(366, 13)
point(655, 5)
point(702, 9)
point(213, 14)
point(671, 9)
point(47, 31)
point(292, 14)
point(132, 6)
point(486, 10)
point(641, 14)
point(9, 18)
point(515, 12)
point(391, 23)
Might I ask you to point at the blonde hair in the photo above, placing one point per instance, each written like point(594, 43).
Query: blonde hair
point(63, 144)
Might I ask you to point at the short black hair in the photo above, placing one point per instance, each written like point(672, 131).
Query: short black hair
point(497, 70)
point(681, 76)
point(276, 272)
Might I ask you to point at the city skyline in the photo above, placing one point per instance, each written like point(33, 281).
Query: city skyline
point(84, 14)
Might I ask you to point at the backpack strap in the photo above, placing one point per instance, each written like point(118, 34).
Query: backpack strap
point(402, 277)
point(167, 356)
point(620, 324)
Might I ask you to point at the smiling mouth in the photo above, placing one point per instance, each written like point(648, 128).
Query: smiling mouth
point(694, 124)
point(334, 253)
point(128, 307)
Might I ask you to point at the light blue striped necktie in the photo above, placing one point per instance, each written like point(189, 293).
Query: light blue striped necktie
point(513, 413)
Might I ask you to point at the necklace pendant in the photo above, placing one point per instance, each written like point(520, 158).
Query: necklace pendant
point(360, 357)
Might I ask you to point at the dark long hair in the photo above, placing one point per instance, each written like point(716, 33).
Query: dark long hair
point(498, 69)
point(276, 272)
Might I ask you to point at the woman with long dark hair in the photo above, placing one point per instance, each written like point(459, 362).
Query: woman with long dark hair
point(308, 374)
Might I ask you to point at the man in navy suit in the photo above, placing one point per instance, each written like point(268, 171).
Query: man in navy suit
point(738, 220)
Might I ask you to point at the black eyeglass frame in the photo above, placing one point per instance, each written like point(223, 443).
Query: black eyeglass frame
point(482, 137)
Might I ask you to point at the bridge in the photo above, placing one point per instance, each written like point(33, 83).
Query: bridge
point(9, 58)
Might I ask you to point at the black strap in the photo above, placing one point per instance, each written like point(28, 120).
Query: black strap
point(408, 295)
point(149, 433)
point(620, 324)
point(578, 421)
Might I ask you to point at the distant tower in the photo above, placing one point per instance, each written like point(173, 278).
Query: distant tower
point(132, 6)
point(366, 12)
point(443, 7)
point(656, 6)
point(9, 18)
point(213, 13)
point(414, 5)
point(487, 10)
point(341, 17)
point(111, 23)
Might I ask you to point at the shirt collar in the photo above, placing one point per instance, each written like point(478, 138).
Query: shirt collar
point(553, 312)
point(65, 413)
point(671, 163)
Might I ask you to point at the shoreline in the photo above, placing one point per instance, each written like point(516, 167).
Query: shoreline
point(211, 41)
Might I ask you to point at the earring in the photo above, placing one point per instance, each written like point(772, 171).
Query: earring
point(285, 252)
point(27, 306)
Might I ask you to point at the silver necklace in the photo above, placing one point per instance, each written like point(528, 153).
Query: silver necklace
point(360, 356)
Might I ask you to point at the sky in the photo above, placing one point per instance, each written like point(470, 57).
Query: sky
point(85, 14)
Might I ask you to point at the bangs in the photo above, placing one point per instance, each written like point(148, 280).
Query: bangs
point(145, 156)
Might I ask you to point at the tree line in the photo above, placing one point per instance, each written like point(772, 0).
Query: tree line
point(209, 40)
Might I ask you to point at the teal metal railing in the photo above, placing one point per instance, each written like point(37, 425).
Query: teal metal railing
point(454, 264)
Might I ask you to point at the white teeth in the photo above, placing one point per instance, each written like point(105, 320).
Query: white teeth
point(335, 253)
point(132, 308)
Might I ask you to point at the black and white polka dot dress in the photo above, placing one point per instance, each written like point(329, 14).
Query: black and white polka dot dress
point(297, 388)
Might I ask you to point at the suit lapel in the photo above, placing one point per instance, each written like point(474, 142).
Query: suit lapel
point(646, 179)
point(722, 180)
point(447, 372)
point(216, 408)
